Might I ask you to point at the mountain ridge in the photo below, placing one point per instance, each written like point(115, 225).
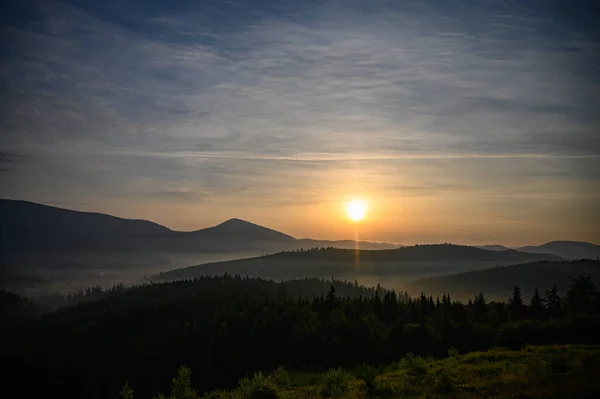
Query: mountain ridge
point(566, 249)
point(29, 226)
point(32, 227)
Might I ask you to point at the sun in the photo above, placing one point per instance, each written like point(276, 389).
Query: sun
point(356, 210)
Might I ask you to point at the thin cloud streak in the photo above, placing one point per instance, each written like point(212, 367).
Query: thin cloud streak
point(325, 157)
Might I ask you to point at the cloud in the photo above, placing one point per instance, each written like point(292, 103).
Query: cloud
point(414, 79)
point(210, 100)
point(9, 160)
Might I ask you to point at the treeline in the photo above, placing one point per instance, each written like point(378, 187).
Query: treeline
point(51, 302)
point(300, 288)
point(226, 327)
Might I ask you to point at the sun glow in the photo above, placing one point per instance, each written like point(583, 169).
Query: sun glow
point(356, 210)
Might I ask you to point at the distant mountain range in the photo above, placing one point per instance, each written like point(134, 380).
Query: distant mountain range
point(497, 283)
point(565, 249)
point(28, 227)
point(391, 267)
point(31, 228)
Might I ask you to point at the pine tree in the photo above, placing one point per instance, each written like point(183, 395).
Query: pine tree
point(536, 308)
point(515, 304)
point(582, 292)
point(181, 387)
point(479, 308)
point(553, 301)
point(331, 297)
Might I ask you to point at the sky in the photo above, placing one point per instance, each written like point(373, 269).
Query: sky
point(463, 121)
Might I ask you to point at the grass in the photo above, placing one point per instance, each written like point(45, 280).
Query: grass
point(533, 372)
point(556, 371)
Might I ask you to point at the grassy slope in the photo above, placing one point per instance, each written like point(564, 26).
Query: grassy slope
point(534, 372)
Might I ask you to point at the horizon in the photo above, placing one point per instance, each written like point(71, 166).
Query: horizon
point(234, 218)
point(469, 122)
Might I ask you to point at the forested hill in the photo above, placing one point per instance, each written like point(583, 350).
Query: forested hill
point(220, 285)
point(15, 308)
point(228, 327)
point(427, 253)
point(498, 282)
point(409, 262)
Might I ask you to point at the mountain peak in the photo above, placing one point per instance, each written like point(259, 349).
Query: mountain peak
point(240, 228)
point(237, 222)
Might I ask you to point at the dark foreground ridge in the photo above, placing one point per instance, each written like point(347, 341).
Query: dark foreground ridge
point(225, 328)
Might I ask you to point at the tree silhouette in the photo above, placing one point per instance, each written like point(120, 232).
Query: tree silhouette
point(536, 307)
point(331, 294)
point(581, 294)
point(516, 307)
point(553, 301)
point(479, 308)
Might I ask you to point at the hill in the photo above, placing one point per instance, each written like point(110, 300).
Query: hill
point(567, 249)
point(402, 263)
point(497, 283)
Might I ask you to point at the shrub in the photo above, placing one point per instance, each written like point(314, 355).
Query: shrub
point(452, 352)
point(181, 386)
point(442, 382)
point(539, 367)
point(219, 395)
point(259, 387)
point(127, 391)
point(281, 378)
point(415, 366)
point(369, 375)
point(385, 390)
point(335, 383)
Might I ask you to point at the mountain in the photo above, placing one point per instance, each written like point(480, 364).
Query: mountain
point(28, 226)
point(401, 264)
point(494, 247)
point(567, 249)
point(237, 229)
point(497, 283)
point(31, 228)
